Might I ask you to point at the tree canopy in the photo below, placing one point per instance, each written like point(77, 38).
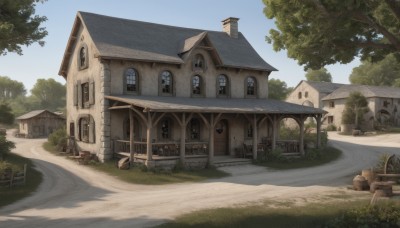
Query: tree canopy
point(6, 115)
point(321, 75)
point(322, 32)
point(382, 73)
point(19, 25)
point(11, 88)
point(50, 93)
point(278, 89)
point(355, 107)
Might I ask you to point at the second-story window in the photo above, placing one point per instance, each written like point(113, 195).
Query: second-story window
point(131, 81)
point(222, 86)
point(198, 63)
point(196, 85)
point(85, 95)
point(83, 61)
point(251, 87)
point(166, 83)
point(299, 95)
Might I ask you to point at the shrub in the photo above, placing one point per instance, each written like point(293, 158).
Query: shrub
point(369, 216)
point(58, 138)
point(313, 154)
point(331, 127)
point(5, 146)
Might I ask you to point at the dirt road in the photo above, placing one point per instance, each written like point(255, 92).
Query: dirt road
point(76, 196)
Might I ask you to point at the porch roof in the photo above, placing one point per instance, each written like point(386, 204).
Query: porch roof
point(214, 105)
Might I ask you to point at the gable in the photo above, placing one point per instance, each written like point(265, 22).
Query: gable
point(149, 42)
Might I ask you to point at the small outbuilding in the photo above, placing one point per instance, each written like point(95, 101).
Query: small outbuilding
point(39, 123)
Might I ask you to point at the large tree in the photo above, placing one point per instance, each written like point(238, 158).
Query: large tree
point(321, 75)
point(321, 32)
point(382, 73)
point(6, 115)
point(19, 25)
point(10, 89)
point(278, 89)
point(50, 93)
point(355, 107)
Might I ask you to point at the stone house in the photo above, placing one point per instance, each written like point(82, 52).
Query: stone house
point(162, 94)
point(383, 103)
point(39, 123)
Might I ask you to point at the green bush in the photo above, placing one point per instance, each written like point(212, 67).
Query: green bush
point(58, 138)
point(331, 127)
point(5, 146)
point(313, 154)
point(369, 216)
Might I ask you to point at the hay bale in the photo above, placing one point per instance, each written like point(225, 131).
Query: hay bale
point(360, 183)
point(123, 163)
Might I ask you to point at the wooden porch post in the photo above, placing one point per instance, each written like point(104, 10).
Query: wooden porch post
point(255, 137)
point(319, 131)
point(149, 143)
point(274, 132)
point(301, 143)
point(211, 140)
point(131, 135)
point(183, 137)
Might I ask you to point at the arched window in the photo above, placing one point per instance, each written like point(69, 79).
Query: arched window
point(222, 86)
point(83, 57)
point(131, 81)
point(198, 63)
point(166, 83)
point(196, 85)
point(251, 87)
point(165, 129)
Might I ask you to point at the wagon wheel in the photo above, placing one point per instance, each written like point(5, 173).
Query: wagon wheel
point(392, 165)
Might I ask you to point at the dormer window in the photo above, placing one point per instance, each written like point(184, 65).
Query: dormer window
point(251, 87)
point(166, 83)
point(198, 63)
point(131, 81)
point(222, 86)
point(83, 57)
point(196, 85)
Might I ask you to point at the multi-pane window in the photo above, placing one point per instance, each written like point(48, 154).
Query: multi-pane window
point(194, 129)
point(222, 85)
point(196, 85)
point(251, 86)
point(165, 129)
point(131, 80)
point(198, 62)
point(84, 129)
point(85, 94)
point(166, 82)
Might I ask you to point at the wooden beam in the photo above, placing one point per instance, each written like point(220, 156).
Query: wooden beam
point(140, 114)
point(120, 107)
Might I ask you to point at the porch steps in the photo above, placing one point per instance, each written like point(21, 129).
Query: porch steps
point(230, 161)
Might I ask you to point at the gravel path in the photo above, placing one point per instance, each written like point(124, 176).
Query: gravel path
point(77, 196)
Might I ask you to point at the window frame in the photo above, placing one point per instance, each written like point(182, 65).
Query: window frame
point(86, 129)
point(136, 80)
point(161, 87)
point(255, 87)
point(227, 87)
point(196, 67)
point(167, 132)
point(200, 85)
point(85, 64)
point(194, 129)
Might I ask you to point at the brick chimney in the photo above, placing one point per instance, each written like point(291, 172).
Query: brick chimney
point(230, 26)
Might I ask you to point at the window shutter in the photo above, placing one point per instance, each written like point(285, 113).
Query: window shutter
point(92, 130)
point(75, 95)
point(91, 93)
point(79, 93)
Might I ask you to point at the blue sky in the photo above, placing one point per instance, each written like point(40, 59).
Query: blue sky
point(44, 62)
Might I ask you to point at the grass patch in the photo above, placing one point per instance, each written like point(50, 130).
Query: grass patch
point(33, 180)
point(136, 175)
point(50, 148)
point(326, 155)
point(310, 215)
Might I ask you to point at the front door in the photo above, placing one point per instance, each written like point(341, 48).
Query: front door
point(221, 134)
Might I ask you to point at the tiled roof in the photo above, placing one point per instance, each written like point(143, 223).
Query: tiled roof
point(35, 113)
point(130, 39)
point(325, 87)
point(215, 105)
point(365, 90)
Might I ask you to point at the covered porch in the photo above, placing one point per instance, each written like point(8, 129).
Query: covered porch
point(193, 131)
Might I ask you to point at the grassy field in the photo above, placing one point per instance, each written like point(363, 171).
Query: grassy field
point(329, 154)
point(34, 178)
point(138, 175)
point(269, 214)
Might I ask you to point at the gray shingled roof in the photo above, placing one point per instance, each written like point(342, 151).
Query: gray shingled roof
point(365, 90)
point(34, 113)
point(325, 87)
point(130, 39)
point(213, 105)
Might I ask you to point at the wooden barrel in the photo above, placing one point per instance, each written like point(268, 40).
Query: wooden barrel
point(369, 175)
